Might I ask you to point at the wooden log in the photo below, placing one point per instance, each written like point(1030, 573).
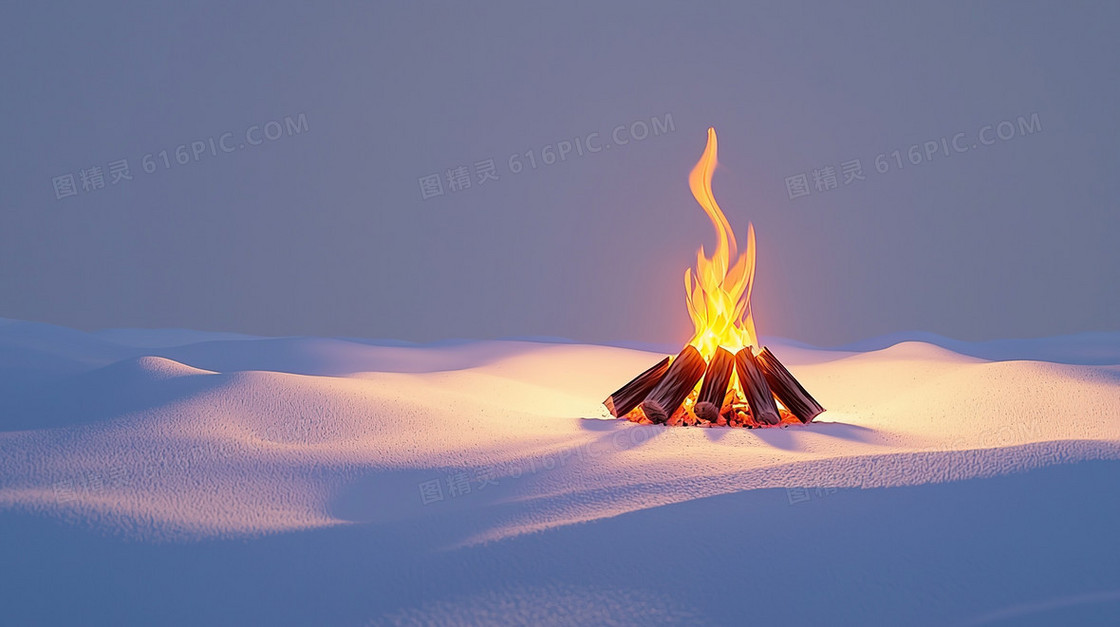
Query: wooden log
point(758, 393)
point(628, 396)
point(788, 390)
point(683, 375)
point(714, 388)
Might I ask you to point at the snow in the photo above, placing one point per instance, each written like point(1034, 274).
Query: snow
point(187, 477)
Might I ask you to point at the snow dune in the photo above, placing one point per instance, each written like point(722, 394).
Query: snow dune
point(188, 477)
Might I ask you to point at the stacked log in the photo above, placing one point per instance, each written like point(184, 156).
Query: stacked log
point(714, 389)
point(628, 396)
point(659, 393)
point(788, 390)
point(754, 384)
point(683, 375)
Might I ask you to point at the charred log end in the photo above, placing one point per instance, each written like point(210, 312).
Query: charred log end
point(706, 411)
point(654, 411)
point(609, 404)
point(760, 398)
point(716, 379)
point(684, 373)
point(787, 388)
point(627, 397)
point(768, 418)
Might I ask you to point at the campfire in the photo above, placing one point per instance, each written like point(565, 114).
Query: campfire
point(721, 377)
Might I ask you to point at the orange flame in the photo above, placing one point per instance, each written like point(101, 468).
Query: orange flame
point(719, 294)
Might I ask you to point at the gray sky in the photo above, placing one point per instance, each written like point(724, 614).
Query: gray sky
point(324, 230)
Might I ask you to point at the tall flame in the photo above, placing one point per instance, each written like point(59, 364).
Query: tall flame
point(719, 293)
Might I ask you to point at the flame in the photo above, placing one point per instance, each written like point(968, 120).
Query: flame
point(718, 294)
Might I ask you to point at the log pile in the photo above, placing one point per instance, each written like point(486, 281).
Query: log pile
point(740, 390)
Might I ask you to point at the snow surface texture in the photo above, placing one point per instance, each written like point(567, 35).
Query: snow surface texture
point(191, 478)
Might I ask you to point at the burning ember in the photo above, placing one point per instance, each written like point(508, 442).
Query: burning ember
point(697, 387)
